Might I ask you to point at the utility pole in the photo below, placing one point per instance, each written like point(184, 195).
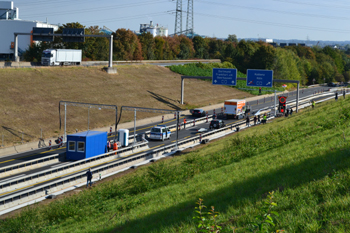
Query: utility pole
point(178, 19)
point(189, 23)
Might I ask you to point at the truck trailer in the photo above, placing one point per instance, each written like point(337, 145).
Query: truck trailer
point(60, 57)
point(235, 108)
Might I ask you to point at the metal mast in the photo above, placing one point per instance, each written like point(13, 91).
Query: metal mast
point(189, 23)
point(178, 20)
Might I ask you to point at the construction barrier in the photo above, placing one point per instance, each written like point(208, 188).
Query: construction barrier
point(206, 119)
point(110, 130)
point(194, 122)
point(49, 144)
point(162, 119)
point(175, 115)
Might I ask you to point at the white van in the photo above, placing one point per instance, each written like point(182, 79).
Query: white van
point(160, 132)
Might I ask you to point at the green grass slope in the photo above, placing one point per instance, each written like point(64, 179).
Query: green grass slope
point(304, 159)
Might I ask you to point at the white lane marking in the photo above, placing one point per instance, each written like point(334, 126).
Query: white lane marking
point(59, 164)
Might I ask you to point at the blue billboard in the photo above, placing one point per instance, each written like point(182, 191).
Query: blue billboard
point(259, 78)
point(223, 76)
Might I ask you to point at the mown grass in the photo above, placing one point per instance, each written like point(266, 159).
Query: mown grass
point(205, 70)
point(303, 158)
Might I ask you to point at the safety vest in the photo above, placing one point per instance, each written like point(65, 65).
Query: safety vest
point(185, 121)
point(313, 103)
point(265, 118)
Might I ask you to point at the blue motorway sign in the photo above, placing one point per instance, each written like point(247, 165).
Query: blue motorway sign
point(259, 78)
point(222, 76)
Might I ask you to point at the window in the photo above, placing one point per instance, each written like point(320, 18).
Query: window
point(81, 147)
point(71, 146)
point(163, 130)
point(155, 130)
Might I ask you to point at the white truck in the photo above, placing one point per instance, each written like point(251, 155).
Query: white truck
point(235, 108)
point(56, 57)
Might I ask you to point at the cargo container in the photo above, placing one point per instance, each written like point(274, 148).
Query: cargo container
point(56, 57)
point(86, 145)
point(235, 108)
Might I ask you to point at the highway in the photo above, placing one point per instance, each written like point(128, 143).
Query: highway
point(189, 132)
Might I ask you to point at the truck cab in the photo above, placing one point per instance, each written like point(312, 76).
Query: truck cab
point(48, 58)
point(160, 132)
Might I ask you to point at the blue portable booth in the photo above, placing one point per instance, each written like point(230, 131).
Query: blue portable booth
point(86, 144)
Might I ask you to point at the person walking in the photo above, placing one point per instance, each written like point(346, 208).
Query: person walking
point(185, 122)
point(247, 121)
point(313, 104)
point(89, 177)
point(255, 119)
point(258, 119)
point(336, 96)
point(344, 94)
point(291, 112)
point(264, 118)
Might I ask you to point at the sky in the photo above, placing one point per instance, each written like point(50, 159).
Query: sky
point(276, 19)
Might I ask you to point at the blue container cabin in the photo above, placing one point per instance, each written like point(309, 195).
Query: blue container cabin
point(86, 145)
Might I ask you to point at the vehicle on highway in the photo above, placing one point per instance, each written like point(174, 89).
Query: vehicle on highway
point(160, 132)
point(198, 112)
point(60, 57)
point(332, 84)
point(235, 108)
point(216, 124)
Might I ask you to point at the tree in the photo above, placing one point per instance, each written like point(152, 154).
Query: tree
point(159, 48)
point(126, 45)
point(200, 47)
point(264, 57)
point(186, 48)
point(148, 45)
point(232, 38)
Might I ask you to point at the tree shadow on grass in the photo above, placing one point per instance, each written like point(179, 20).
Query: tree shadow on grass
point(164, 100)
point(252, 190)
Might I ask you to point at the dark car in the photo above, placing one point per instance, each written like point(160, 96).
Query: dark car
point(216, 124)
point(198, 112)
point(332, 84)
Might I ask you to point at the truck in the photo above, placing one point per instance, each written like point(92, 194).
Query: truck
point(235, 108)
point(56, 57)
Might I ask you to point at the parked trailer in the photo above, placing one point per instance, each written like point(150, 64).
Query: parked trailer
point(56, 57)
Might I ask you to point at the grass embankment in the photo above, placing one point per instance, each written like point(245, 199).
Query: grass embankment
point(205, 69)
point(304, 159)
point(30, 97)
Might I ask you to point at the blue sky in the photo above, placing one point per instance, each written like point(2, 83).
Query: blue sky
point(278, 19)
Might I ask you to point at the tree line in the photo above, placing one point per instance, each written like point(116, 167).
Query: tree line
point(308, 65)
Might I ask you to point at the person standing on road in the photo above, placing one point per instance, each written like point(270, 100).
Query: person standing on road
point(258, 119)
point(255, 119)
point(89, 177)
point(344, 94)
point(336, 96)
point(247, 121)
point(291, 112)
point(185, 122)
point(313, 104)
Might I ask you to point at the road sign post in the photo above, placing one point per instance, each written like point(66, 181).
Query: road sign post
point(223, 76)
point(259, 78)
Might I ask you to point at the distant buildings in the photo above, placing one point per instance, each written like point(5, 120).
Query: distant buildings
point(9, 24)
point(154, 30)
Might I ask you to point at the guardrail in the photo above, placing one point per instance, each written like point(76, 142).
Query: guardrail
point(42, 190)
point(27, 165)
point(63, 169)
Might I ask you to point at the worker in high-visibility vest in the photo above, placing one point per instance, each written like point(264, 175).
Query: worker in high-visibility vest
point(185, 123)
point(313, 104)
point(264, 118)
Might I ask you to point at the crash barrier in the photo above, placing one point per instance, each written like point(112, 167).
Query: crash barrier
point(9, 201)
point(28, 165)
point(65, 168)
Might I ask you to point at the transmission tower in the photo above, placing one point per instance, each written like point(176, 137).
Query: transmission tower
point(189, 23)
point(178, 20)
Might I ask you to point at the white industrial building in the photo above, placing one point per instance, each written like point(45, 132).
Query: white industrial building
point(9, 24)
point(154, 30)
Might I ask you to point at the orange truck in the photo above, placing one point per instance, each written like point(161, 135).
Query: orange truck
point(235, 108)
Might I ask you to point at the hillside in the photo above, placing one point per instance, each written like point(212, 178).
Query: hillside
point(30, 97)
point(304, 159)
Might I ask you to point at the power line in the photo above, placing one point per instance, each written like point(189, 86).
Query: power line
point(99, 8)
point(313, 4)
point(276, 24)
point(276, 11)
